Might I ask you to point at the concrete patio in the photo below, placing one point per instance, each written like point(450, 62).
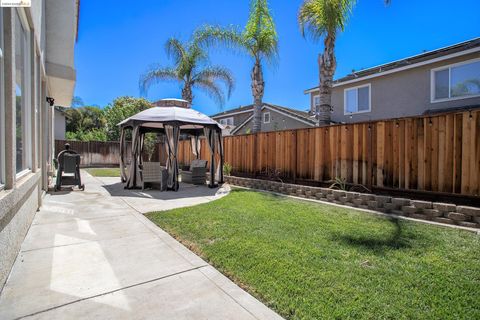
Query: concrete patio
point(93, 255)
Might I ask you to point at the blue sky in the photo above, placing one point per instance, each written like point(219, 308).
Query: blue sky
point(118, 40)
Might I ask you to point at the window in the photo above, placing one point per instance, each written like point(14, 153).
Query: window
point(2, 108)
point(316, 104)
point(357, 100)
point(23, 107)
point(457, 81)
point(266, 117)
point(227, 121)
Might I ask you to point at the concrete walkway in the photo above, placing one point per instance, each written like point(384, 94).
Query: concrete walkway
point(92, 255)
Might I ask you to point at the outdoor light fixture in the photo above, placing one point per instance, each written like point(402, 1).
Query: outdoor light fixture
point(50, 101)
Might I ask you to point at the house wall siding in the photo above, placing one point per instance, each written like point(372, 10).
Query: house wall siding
point(278, 121)
point(400, 94)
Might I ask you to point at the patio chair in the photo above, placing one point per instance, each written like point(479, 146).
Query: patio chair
point(68, 169)
point(197, 173)
point(154, 173)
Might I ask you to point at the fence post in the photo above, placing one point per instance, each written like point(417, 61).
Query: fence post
point(294, 133)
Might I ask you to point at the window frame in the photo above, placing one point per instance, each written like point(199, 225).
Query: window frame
point(2, 107)
point(269, 117)
point(367, 85)
point(27, 108)
point(225, 121)
point(449, 68)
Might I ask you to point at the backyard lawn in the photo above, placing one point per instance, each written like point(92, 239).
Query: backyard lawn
point(313, 261)
point(104, 172)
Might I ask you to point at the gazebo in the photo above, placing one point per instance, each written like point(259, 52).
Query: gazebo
point(170, 117)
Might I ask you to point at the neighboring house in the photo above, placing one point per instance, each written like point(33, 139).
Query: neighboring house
point(60, 123)
point(433, 81)
point(239, 120)
point(36, 63)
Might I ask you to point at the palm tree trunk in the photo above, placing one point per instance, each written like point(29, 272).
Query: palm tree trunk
point(187, 93)
point(258, 87)
point(327, 65)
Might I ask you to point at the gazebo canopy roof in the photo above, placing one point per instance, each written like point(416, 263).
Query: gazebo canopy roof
point(157, 117)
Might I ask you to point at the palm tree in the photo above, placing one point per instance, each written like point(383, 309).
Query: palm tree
point(323, 18)
point(258, 40)
point(192, 71)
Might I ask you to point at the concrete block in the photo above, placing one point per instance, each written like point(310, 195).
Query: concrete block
point(325, 191)
point(320, 195)
point(372, 204)
point(357, 202)
point(330, 197)
point(381, 200)
point(469, 211)
point(363, 206)
point(444, 207)
point(338, 193)
point(398, 212)
point(457, 216)
point(389, 206)
point(400, 202)
point(442, 220)
point(432, 212)
point(409, 210)
point(343, 199)
point(366, 197)
point(422, 204)
point(468, 224)
point(419, 216)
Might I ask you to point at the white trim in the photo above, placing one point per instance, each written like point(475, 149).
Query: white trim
point(369, 86)
point(22, 174)
point(449, 67)
point(2, 109)
point(26, 94)
point(232, 114)
point(263, 116)
point(241, 125)
point(415, 65)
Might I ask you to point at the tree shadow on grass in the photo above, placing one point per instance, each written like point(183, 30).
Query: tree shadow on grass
point(379, 243)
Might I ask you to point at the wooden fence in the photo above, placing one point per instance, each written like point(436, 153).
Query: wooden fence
point(439, 153)
point(103, 154)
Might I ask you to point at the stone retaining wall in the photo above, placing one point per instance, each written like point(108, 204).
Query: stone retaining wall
point(439, 212)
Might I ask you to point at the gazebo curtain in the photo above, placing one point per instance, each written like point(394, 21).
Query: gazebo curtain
point(172, 133)
point(196, 145)
point(136, 154)
point(173, 136)
point(220, 152)
point(123, 174)
point(213, 136)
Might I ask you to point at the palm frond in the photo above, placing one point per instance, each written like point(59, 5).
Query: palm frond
point(155, 75)
point(320, 17)
point(211, 36)
point(212, 89)
point(217, 73)
point(260, 32)
point(175, 50)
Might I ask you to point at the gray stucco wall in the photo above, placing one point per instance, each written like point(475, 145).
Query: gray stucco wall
point(278, 121)
point(400, 94)
point(59, 125)
point(18, 209)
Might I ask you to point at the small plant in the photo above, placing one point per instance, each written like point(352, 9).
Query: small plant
point(273, 174)
point(227, 168)
point(340, 184)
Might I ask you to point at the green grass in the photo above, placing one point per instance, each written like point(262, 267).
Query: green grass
point(313, 261)
point(104, 172)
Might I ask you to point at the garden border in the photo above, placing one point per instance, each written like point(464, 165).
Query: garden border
point(442, 213)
